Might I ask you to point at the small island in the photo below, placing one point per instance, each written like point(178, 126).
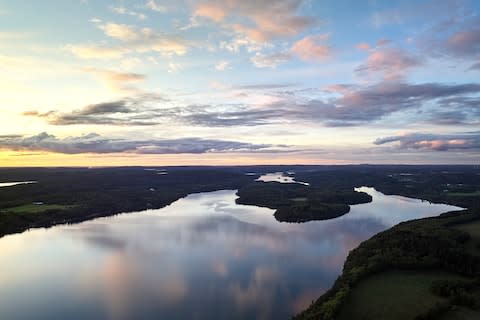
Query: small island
point(299, 203)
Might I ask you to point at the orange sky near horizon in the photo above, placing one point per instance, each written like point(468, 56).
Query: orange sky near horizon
point(46, 159)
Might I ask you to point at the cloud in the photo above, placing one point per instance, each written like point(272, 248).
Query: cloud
point(211, 11)
point(454, 118)
point(457, 110)
point(348, 105)
point(96, 52)
point(239, 41)
point(131, 39)
point(415, 12)
point(337, 105)
point(260, 21)
point(153, 5)
point(209, 116)
point(475, 66)
point(266, 86)
point(104, 108)
point(124, 112)
point(270, 61)
point(124, 11)
point(31, 113)
point(222, 65)
point(312, 48)
point(363, 46)
point(174, 67)
point(356, 105)
point(436, 142)
point(388, 63)
point(464, 42)
point(121, 32)
point(120, 81)
point(455, 37)
point(367, 47)
point(94, 143)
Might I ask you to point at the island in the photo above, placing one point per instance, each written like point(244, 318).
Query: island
point(299, 202)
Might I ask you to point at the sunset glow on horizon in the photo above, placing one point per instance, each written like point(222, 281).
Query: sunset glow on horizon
point(210, 82)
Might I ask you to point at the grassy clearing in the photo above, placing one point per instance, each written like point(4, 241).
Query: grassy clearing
point(393, 295)
point(35, 208)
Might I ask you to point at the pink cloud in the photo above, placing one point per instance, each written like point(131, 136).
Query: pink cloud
point(389, 63)
point(312, 48)
point(435, 142)
point(211, 11)
point(363, 46)
point(466, 42)
point(260, 21)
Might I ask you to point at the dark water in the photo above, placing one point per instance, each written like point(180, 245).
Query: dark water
point(203, 257)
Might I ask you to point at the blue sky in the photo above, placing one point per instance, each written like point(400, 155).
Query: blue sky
point(239, 82)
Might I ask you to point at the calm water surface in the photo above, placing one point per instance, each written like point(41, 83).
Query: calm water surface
point(203, 257)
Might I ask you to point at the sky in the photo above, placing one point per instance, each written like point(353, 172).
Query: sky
point(210, 82)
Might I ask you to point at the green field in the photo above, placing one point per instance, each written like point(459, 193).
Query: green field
point(35, 208)
point(393, 295)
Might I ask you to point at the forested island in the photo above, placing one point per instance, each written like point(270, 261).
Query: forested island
point(301, 203)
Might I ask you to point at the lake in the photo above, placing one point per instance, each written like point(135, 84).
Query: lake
point(202, 257)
